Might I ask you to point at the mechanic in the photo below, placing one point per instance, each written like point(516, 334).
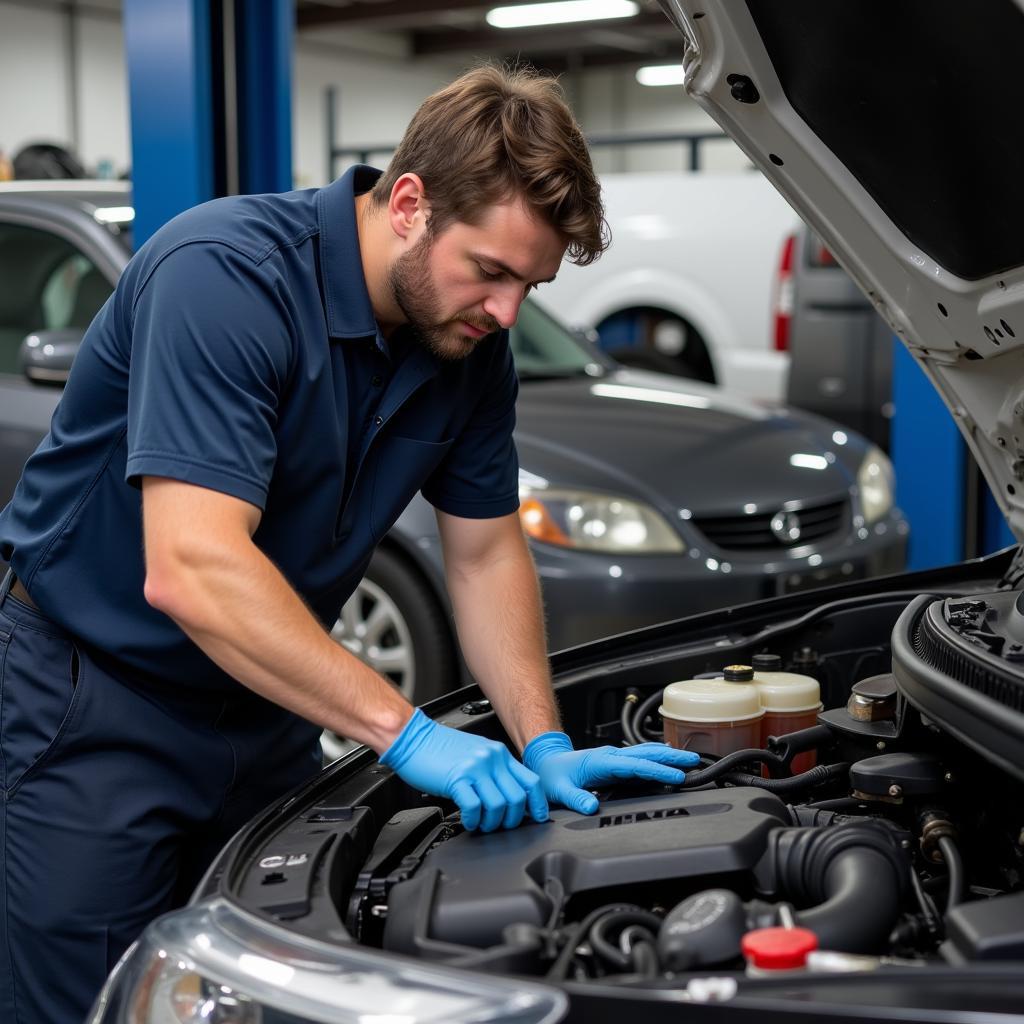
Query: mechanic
point(271, 382)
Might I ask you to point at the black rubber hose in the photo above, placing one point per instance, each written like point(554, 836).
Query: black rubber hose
point(955, 867)
point(862, 906)
point(643, 709)
point(626, 721)
point(602, 944)
point(816, 776)
point(841, 803)
point(928, 911)
point(575, 933)
point(724, 765)
point(851, 876)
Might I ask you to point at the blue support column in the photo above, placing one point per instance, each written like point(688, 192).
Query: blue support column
point(210, 91)
point(170, 92)
point(932, 465)
point(928, 454)
point(265, 34)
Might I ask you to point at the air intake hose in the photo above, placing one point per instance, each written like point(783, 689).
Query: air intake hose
point(850, 877)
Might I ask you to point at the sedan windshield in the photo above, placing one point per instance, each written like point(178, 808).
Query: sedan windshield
point(542, 347)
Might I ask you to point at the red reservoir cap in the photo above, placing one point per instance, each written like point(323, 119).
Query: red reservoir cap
point(778, 948)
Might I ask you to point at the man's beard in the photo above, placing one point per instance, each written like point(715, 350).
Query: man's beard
point(414, 293)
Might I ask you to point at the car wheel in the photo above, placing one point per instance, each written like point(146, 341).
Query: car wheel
point(647, 338)
point(393, 623)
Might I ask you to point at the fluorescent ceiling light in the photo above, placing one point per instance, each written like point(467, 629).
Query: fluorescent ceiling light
point(660, 74)
point(560, 12)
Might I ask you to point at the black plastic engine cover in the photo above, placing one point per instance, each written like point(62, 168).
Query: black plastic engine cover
point(470, 888)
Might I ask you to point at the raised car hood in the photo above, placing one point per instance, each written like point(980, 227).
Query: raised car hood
point(895, 133)
point(678, 444)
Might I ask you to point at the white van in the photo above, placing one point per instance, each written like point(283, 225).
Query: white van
point(689, 283)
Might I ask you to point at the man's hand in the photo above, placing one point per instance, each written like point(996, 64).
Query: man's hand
point(492, 789)
point(567, 774)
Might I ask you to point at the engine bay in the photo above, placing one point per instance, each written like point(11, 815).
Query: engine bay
point(902, 847)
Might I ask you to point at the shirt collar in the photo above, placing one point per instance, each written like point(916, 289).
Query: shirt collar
point(346, 300)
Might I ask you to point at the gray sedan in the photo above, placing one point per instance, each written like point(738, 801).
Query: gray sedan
point(646, 497)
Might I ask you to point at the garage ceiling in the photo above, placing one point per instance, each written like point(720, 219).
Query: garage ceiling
point(457, 29)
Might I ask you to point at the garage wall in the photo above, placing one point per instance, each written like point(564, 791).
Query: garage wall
point(378, 89)
point(33, 77)
point(612, 100)
point(376, 95)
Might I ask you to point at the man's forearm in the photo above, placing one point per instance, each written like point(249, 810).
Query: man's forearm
point(499, 617)
point(239, 609)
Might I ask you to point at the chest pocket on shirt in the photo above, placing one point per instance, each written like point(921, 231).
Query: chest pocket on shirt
point(403, 465)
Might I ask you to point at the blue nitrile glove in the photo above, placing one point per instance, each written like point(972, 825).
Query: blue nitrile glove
point(490, 786)
point(567, 774)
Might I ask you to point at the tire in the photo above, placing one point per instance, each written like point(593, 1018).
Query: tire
point(653, 339)
point(394, 624)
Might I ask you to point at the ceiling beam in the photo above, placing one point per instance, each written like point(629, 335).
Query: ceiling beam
point(312, 15)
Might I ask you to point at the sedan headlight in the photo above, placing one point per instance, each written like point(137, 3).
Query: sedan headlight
point(212, 962)
point(595, 522)
point(876, 483)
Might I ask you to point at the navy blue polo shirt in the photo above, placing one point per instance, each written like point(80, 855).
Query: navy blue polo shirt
point(239, 352)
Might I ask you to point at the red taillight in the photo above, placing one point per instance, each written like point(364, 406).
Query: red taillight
point(820, 256)
point(782, 307)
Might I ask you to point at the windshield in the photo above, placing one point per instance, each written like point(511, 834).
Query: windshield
point(542, 347)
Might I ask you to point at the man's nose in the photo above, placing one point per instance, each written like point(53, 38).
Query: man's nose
point(503, 305)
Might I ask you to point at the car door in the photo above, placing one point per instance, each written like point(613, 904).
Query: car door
point(52, 278)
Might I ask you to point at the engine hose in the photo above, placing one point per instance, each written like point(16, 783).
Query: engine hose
point(928, 911)
point(604, 947)
point(728, 763)
point(626, 721)
point(955, 866)
point(576, 933)
point(852, 876)
point(643, 709)
point(816, 776)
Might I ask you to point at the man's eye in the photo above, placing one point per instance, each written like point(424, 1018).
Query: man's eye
point(487, 276)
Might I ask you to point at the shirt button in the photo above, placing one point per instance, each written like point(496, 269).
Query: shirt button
point(376, 380)
point(378, 420)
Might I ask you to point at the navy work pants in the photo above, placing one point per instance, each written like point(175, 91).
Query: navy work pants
point(116, 797)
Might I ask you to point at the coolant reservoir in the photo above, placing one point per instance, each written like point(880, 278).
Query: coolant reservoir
point(790, 701)
point(711, 716)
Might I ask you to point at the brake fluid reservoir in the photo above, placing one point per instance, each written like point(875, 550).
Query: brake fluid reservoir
point(790, 701)
point(711, 716)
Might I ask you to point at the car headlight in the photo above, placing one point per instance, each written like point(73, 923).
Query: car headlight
point(876, 483)
point(595, 522)
point(213, 962)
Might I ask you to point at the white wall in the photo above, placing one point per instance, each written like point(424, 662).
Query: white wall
point(36, 87)
point(375, 98)
point(33, 77)
point(378, 88)
point(612, 101)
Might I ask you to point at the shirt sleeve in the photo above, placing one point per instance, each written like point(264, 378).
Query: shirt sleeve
point(210, 355)
point(479, 477)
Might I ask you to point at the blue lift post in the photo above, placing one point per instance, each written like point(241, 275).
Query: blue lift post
point(949, 518)
point(210, 94)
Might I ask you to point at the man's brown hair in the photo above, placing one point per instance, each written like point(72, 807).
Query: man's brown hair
point(498, 133)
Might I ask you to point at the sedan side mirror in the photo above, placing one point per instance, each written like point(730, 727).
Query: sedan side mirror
point(46, 356)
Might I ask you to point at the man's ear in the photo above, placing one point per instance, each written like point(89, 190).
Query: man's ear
point(408, 208)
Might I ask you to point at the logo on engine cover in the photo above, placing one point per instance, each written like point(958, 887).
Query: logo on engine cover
point(610, 820)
